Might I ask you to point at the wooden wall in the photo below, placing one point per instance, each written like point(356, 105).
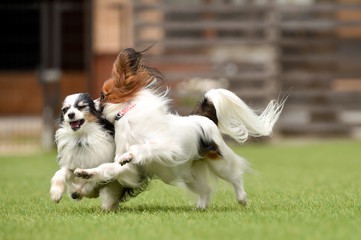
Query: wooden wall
point(263, 50)
point(21, 92)
point(112, 32)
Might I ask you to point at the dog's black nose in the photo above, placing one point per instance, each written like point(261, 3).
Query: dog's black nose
point(71, 115)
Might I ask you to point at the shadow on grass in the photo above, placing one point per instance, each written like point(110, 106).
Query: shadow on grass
point(154, 209)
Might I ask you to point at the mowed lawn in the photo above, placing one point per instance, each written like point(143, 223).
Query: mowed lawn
point(309, 191)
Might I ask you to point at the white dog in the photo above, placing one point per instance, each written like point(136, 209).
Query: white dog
point(170, 147)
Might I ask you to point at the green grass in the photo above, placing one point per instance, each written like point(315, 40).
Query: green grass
point(295, 192)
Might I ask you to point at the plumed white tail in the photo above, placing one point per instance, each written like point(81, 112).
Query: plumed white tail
point(238, 120)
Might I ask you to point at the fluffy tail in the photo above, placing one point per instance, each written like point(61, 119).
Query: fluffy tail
point(235, 118)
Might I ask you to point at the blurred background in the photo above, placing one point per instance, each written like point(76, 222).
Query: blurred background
point(260, 49)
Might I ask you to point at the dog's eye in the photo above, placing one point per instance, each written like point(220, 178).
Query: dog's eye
point(81, 107)
point(64, 110)
point(103, 96)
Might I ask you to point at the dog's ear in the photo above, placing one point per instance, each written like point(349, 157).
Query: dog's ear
point(118, 72)
point(129, 76)
point(61, 119)
point(125, 66)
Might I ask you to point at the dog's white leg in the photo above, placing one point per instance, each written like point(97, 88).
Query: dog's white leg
point(231, 168)
point(241, 195)
point(224, 170)
point(110, 195)
point(89, 190)
point(200, 184)
point(58, 184)
point(125, 158)
point(203, 192)
point(137, 153)
point(104, 172)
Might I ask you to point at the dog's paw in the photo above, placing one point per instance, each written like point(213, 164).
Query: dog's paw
point(124, 158)
point(243, 201)
point(85, 174)
point(56, 194)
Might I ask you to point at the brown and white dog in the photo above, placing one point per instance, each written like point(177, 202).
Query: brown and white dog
point(188, 150)
point(85, 140)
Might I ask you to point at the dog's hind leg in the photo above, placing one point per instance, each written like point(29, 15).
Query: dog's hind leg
point(203, 192)
point(110, 195)
point(230, 168)
point(199, 184)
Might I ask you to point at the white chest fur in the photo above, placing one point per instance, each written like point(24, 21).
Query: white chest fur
point(87, 149)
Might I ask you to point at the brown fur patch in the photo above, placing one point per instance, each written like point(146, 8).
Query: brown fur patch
point(129, 76)
point(214, 155)
point(90, 117)
point(206, 108)
point(209, 150)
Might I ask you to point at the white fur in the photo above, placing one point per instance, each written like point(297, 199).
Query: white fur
point(96, 146)
point(166, 146)
point(87, 147)
point(238, 120)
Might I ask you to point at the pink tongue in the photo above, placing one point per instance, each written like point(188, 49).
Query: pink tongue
point(75, 124)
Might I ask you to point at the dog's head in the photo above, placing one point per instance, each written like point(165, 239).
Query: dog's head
point(129, 76)
point(78, 110)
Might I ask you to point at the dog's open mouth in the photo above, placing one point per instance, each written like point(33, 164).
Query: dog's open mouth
point(75, 125)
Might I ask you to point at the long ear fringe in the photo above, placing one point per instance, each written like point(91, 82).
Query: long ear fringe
point(130, 75)
point(130, 62)
point(126, 64)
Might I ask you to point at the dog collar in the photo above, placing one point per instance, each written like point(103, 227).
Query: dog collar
point(123, 112)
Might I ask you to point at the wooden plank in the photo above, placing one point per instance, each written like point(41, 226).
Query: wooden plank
point(251, 93)
point(312, 92)
point(306, 77)
point(309, 25)
point(296, 41)
point(197, 43)
point(307, 95)
point(306, 25)
point(176, 59)
point(353, 84)
point(319, 58)
point(355, 74)
point(315, 128)
point(349, 15)
point(241, 8)
point(243, 76)
point(196, 59)
point(317, 25)
point(317, 7)
point(345, 98)
point(312, 108)
point(205, 24)
point(226, 41)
